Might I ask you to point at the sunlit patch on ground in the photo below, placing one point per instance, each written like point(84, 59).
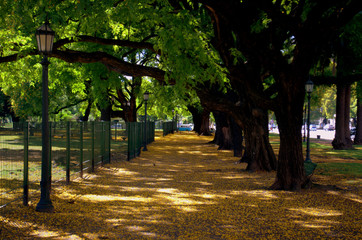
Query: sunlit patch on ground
point(317, 211)
point(183, 188)
point(262, 194)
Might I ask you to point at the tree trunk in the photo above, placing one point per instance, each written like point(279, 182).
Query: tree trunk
point(85, 117)
point(237, 138)
point(106, 113)
point(358, 136)
point(205, 123)
point(218, 134)
point(223, 135)
point(290, 173)
point(196, 117)
point(342, 139)
point(289, 115)
point(131, 111)
point(258, 152)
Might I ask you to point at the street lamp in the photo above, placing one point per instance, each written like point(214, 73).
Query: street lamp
point(173, 120)
point(146, 95)
point(308, 165)
point(45, 37)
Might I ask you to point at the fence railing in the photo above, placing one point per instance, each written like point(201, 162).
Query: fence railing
point(75, 148)
point(169, 127)
point(136, 137)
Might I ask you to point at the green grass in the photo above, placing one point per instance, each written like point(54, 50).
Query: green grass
point(324, 150)
point(333, 168)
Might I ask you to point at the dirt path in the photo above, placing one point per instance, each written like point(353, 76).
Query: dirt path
point(183, 188)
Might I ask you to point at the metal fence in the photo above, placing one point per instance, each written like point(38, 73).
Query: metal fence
point(169, 127)
point(75, 148)
point(137, 139)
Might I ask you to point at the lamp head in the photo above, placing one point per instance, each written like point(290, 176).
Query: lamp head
point(309, 86)
point(146, 95)
point(45, 38)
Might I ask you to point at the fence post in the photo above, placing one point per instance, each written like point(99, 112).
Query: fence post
point(141, 128)
point(81, 149)
point(109, 141)
point(26, 165)
point(50, 154)
point(102, 142)
point(92, 136)
point(115, 131)
point(67, 169)
point(153, 132)
point(128, 129)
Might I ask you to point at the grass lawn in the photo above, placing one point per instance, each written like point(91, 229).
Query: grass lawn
point(330, 162)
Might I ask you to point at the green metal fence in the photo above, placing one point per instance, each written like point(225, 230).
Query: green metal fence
point(76, 148)
point(136, 137)
point(169, 127)
point(11, 164)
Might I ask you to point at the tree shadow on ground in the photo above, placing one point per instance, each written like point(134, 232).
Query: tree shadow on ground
point(182, 188)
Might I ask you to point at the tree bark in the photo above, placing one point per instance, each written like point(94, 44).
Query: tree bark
point(205, 123)
point(342, 139)
point(87, 111)
point(106, 113)
point(258, 152)
point(201, 119)
point(223, 134)
point(290, 171)
point(253, 121)
point(237, 138)
point(196, 117)
point(217, 136)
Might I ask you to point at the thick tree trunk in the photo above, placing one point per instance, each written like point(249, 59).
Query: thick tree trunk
point(205, 123)
point(106, 113)
point(201, 118)
point(131, 111)
point(358, 136)
point(342, 139)
point(290, 173)
point(196, 117)
point(218, 134)
point(258, 152)
point(289, 115)
point(223, 135)
point(237, 137)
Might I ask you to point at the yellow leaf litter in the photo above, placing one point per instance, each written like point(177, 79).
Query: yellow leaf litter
point(183, 188)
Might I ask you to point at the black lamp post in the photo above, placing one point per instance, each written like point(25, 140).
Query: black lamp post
point(309, 90)
point(45, 37)
point(308, 165)
point(173, 120)
point(304, 127)
point(146, 95)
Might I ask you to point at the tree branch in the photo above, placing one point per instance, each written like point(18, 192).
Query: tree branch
point(111, 62)
point(102, 41)
point(68, 106)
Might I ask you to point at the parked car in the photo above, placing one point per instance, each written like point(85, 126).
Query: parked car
point(185, 127)
point(328, 127)
point(313, 127)
point(353, 131)
point(118, 126)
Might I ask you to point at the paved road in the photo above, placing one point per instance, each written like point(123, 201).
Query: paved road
point(329, 135)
